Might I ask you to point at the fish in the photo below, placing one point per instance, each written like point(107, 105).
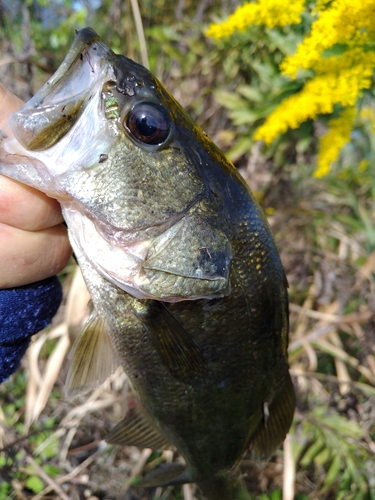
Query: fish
point(188, 291)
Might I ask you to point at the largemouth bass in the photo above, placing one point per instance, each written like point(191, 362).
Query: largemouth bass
point(188, 290)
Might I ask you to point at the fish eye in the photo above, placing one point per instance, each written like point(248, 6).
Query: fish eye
point(148, 123)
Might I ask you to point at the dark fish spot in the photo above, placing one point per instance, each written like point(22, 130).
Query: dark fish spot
point(126, 90)
point(102, 158)
point(215, 262)
point(70, 118)
point(64, 116)
point(81, 57)
point(63, 109)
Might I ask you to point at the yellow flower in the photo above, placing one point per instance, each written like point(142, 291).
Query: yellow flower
point(337, 136)
point(345, 26)
point(362, 167)
point(318, 96)
point(349, 22)
point(339, 80)
point(268, 12)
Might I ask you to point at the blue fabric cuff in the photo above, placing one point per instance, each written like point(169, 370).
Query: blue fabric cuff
point(24, 310)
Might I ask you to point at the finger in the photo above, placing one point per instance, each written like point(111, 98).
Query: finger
point(8, 104)
point(32, 256)
point(26, 208)
point(22, 206)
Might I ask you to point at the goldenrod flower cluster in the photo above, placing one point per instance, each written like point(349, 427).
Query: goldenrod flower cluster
point(268, 12)
point(342, 86)
point(337, 136)
point(349, 22)
point(340, 51)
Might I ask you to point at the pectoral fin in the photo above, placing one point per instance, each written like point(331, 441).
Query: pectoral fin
point(92, 358)
point(278, 417)
point(136, 430)
point(176, 347)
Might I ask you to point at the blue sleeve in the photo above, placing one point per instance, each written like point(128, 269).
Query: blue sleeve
point(24, 310)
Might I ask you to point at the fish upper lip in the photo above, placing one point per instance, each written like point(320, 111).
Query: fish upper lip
point(83, 38)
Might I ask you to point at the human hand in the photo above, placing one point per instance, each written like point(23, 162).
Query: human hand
point(33, 241)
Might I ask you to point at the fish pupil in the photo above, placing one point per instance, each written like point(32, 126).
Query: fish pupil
point(148, 123)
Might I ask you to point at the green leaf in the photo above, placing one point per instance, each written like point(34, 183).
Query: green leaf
point(336, 50)
point(35, 484)
point(51, 470)
point(243, 116)
point(241, 147)
point(275, 495)
point(323, 457)
point(311, 453)
point(5, 490)
point(333, 471)
point(251, 93)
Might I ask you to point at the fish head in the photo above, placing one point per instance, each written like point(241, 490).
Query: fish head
point(106, 139)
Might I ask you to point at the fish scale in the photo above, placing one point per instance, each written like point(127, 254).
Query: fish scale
point(188, 290)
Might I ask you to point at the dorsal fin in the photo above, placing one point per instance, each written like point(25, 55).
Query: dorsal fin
point(278, 417)
point(176, 347)
point(136, 430)
point(92, 358)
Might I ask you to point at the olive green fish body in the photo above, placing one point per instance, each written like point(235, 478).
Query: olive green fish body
point(211, 418)
point(188, 289)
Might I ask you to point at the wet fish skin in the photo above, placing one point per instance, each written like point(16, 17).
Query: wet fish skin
point(178, 258)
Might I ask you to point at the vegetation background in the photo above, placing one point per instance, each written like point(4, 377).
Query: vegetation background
point(323, 226)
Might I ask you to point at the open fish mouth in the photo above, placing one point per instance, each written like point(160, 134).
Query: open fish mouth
point(56, 107)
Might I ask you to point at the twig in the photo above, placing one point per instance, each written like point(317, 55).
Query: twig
point(140, 33)
point(289, 470)
point(341, 369)
point(338, 353)
point(188, 492)
point(348, 319)
point(18, 489)
point(53, 484)
point(70, 476)
point(311, 336)
point(135, 471)
point(51, 372)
